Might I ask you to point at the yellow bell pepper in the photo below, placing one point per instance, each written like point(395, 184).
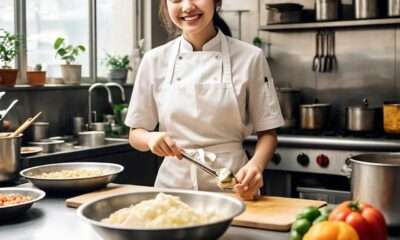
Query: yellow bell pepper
point(331, 231)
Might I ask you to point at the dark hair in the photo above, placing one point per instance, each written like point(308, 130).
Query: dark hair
point(174, 31)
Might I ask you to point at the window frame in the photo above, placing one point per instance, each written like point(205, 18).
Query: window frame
point(20, 24)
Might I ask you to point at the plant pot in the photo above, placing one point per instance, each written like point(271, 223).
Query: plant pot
point(71, 73)
point(36, 78)
point(8, 77)
point(118, 75)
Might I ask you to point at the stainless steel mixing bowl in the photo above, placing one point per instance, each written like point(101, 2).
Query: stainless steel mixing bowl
point(75, 184)
point(229, 207)
point(14, 211)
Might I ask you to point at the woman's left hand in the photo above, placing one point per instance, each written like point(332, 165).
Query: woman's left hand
point(250, 181)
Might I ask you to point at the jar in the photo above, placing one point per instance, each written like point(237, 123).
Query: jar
point(326, 10)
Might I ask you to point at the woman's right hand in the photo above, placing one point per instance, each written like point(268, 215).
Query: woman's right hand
point(161, 144)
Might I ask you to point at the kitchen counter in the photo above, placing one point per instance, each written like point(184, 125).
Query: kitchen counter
point(50, 219)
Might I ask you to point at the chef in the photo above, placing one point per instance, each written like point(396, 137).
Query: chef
point(206, 91)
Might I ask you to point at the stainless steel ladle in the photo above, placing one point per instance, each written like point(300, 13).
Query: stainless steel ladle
point(226, 179)
point(4, 112)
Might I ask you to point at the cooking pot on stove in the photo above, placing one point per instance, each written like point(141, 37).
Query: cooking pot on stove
point(375, 180)
point(314, 116)
point(362, 118)
point(289, 101)
point(391, 117)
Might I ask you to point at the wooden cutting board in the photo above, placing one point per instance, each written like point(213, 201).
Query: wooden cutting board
point(272, 213)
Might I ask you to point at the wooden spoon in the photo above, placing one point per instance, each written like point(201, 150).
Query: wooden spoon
point(24, 126)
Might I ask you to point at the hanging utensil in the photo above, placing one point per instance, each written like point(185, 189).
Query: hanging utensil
point(2, 94)
point(328, 62)
point(323, 56)
point(316, 60)
point(333, 54)
point(4, 112)
point(24, 126)
point(226, 179)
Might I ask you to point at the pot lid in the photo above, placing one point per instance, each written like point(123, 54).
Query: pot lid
point(285, 6)
point(364, 106)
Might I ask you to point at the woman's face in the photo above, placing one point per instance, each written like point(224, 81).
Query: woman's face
point(191, 16)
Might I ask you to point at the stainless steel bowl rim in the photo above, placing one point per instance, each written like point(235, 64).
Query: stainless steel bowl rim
point(47, 142)
point(3, 135)
point(24, 172)
point(114, 226)
point(41, 123)
point(91, 133)
point(315, 105)
point(18, 190)
point(356, 159)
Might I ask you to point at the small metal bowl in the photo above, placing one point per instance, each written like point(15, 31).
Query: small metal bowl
point(93, 212)
point(14, 211)
point(74, 184)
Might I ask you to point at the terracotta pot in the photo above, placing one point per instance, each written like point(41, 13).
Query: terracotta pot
point(8, 77)
point(36, 78)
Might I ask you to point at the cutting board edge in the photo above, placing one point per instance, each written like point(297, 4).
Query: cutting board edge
point(280, 228)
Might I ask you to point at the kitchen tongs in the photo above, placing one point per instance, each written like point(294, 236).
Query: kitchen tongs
point(225, 177)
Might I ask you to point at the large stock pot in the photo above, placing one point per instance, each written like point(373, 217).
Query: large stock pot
point(375, 179)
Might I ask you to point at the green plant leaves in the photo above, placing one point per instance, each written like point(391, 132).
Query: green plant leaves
point(9, 44)
point(115, 62)
point(67, 52)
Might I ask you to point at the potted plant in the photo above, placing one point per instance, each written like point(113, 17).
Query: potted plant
point(67, 52)
point(37, 77)
point(119, 66)
point(9, 44)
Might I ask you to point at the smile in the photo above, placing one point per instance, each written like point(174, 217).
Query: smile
point(191, 17)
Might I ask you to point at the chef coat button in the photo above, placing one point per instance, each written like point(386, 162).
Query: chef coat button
point(180, 57)
point(217, 57)
point(178, 79)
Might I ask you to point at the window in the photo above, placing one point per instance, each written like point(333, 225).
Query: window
point(47, 20)
point(7, 15)
point(114, 31)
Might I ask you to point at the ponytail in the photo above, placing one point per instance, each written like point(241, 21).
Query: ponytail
point(221, 24)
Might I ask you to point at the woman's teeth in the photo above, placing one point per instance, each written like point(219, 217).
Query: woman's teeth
point(191, 18)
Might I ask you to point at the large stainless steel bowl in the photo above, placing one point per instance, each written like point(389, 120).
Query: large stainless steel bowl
point(13, 211)
point(93, 212)
point(75, 184)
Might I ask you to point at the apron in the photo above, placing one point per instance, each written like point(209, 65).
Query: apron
point(199, 109)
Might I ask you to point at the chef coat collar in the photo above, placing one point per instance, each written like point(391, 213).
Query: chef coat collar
point(213, 44)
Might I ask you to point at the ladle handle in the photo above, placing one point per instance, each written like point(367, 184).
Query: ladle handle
point(25, 125)
point(200, 165)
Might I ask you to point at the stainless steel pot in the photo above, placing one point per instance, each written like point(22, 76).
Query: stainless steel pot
point(366, 9)
point(375, 179)
point(49, 145)
point(289, 100)
point(91, 138)
point(394, 8)
point(10, 162)
point(361, 117)
point(314, 116)
point(327, 9)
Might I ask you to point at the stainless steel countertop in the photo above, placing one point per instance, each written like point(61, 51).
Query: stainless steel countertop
point(50, 219)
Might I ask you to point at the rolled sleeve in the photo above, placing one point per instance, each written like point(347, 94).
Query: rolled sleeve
point(142, 110)
point(264, 109)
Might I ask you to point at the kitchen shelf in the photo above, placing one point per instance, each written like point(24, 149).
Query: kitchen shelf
point(331, 24)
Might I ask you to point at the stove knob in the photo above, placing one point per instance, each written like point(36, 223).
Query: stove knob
point(323, 160)
point(276, 159)
point(303, 159)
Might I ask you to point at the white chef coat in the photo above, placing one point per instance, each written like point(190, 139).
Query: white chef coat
point(257, 103)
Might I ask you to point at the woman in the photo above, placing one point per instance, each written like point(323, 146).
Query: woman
point(206, 91)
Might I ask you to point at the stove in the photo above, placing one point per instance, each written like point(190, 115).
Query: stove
point(315, 165)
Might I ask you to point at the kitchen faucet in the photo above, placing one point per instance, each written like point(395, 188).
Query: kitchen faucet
point(96, 85)
point(114, 84)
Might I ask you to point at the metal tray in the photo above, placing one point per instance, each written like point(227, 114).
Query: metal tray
point(75, 184)
point(14, 211)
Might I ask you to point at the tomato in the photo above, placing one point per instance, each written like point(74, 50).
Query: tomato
point(368, 221)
